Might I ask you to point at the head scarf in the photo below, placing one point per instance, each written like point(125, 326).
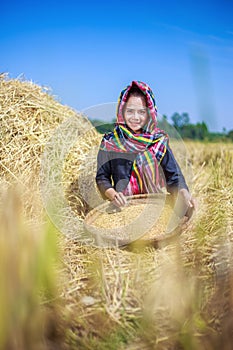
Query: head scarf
point(150, 102)
point(150, 145)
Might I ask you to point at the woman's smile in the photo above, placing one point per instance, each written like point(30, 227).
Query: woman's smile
point(136, 115)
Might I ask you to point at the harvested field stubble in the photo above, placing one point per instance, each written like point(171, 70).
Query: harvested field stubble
point(176, 297)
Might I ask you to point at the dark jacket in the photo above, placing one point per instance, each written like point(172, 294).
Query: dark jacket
point(114, 170)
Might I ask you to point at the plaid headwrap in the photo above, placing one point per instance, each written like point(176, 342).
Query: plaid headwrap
point(150, 145)
point(150, 102)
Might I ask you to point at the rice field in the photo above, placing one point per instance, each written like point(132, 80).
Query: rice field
point(60, 291)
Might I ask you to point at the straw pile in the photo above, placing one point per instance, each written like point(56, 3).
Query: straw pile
point(176, 297)
point(30, 116)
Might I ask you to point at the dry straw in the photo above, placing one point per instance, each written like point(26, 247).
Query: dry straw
point(29, 116)
point(179, 296)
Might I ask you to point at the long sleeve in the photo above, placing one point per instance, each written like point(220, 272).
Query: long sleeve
point(113, 170)
point(172, 172)
point(104, 172)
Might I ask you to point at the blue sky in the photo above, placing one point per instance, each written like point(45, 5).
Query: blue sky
point(87, 51)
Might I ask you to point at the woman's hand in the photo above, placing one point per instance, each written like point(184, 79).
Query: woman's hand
point(117, 198)
point(185, 204)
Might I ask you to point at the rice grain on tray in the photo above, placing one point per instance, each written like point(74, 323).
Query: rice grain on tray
point(122, 219)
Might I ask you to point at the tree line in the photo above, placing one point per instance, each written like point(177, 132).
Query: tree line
point(180, 125)
point(187, 130)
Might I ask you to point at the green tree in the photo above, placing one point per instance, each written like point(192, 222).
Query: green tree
point(180, 120)
point(230, 135)
point(202, 130)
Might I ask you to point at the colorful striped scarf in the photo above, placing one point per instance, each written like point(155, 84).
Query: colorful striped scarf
point(150, 146)
point(150, 150)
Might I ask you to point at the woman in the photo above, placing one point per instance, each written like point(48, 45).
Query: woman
point(136, 158)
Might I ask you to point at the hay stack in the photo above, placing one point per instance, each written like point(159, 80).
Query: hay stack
point(30, 116)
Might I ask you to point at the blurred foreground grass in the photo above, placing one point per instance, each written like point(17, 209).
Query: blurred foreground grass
point(28, 278)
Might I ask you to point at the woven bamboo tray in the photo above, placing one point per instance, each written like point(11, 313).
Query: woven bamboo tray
point(149, 216)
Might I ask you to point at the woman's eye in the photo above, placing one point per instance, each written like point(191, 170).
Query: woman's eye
point(142, 112)
point(129, 111)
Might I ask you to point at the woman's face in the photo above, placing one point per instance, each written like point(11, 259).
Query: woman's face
point(135, 114)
